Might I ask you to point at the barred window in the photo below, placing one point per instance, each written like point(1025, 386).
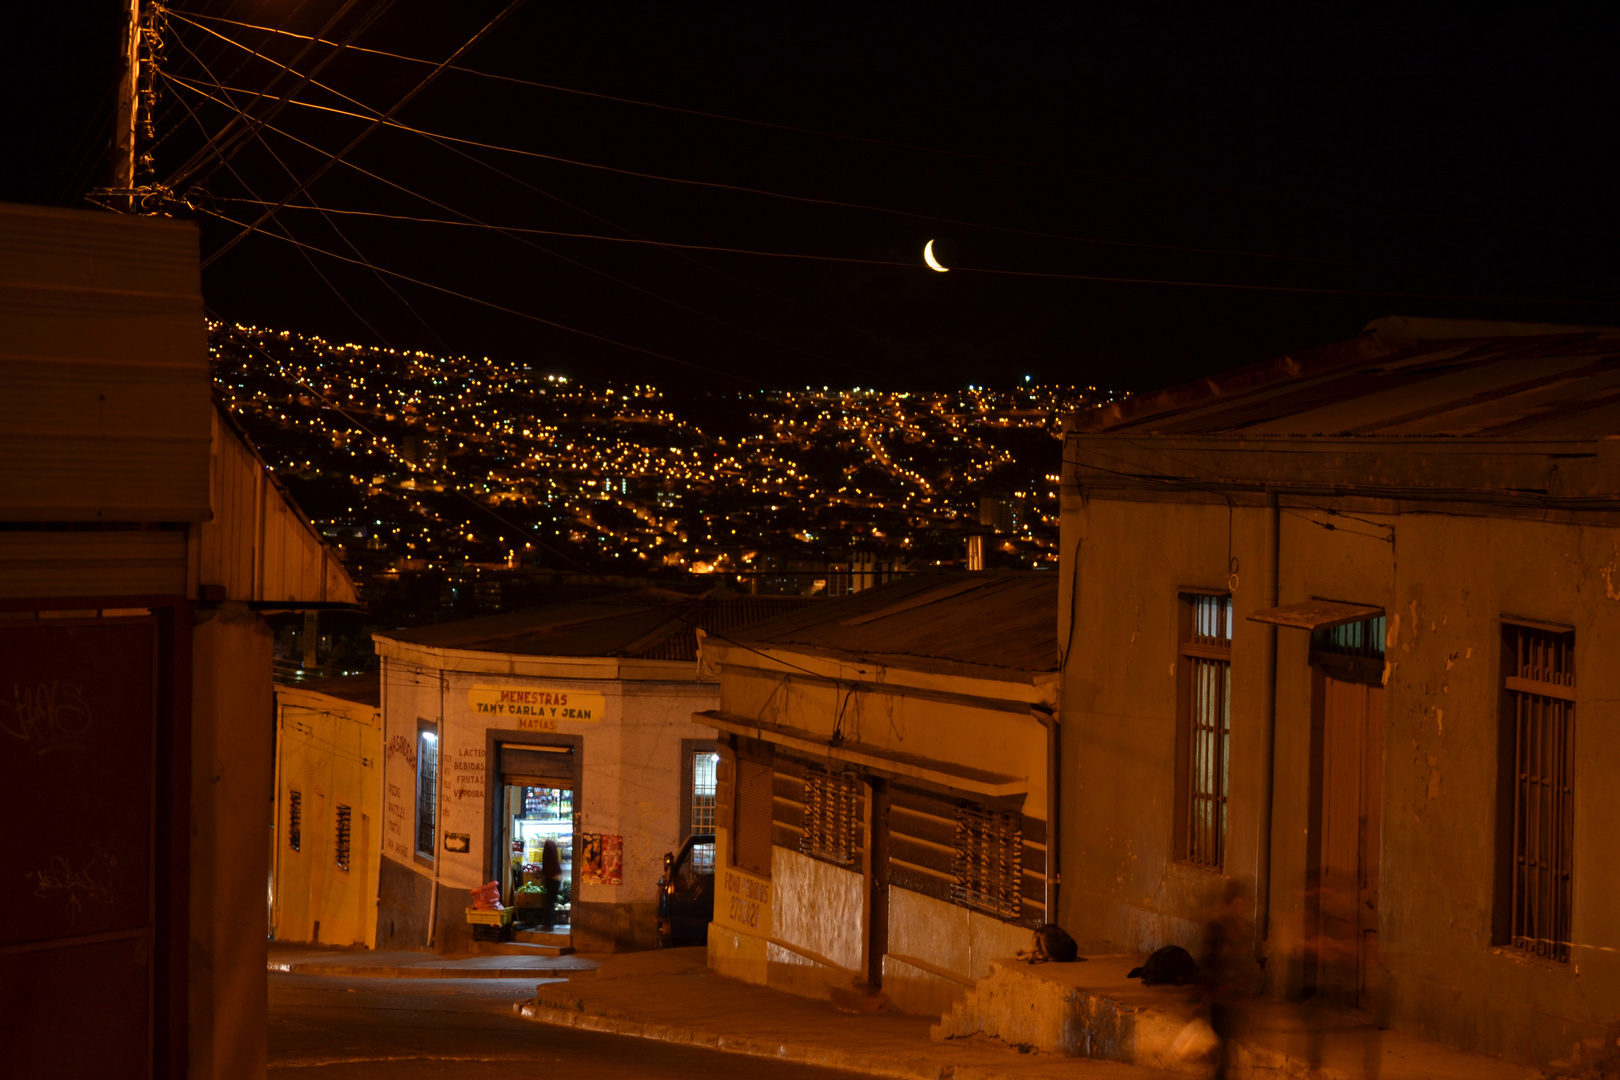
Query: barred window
point(1204, 742)
point(831, 815)
point(295, 820)
point(427, 783)
point(340, 850)
point(988, 864)
point(1539, 717)
point(704, 763)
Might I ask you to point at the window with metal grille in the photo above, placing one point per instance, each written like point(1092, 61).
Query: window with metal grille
point(989, 861)
point(831, 815)
point(1539, 716)
point(340, 849)
point(295, 820)
point(704, 763)
point(1205, 738)
point(427, 784)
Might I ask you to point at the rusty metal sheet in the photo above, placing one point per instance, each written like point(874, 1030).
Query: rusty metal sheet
point(1316, 614)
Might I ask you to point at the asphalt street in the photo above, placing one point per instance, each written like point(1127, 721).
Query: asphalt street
point(324, 1028)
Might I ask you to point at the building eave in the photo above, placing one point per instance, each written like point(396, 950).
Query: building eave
point(468, 661)
point(942, 773)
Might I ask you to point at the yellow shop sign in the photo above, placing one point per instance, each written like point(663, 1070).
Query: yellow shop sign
point(536, 709)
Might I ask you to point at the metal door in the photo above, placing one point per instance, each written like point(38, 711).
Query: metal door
point(1352, 787)
point(78, 753)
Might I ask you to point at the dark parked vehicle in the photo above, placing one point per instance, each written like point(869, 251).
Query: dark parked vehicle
point(686, 893)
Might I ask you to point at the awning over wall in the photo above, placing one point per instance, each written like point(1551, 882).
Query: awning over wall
point(1316, 614)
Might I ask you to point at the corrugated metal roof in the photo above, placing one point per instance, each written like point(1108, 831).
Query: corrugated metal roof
point(104, 412)
point(1402, 377)
point(648, 624)
point(1005, 621)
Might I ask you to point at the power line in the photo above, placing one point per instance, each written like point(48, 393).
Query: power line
point(1185, 283)
point(1074, 169)
point(373, 126)
point(439, 476)
point(230, 138)
point(471, 221)
point(754, 285)
point(259, 137)
point(247, 228)
point(441, 138)
point(179, 80)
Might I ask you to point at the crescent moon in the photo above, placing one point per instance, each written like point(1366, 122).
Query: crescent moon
point(933, 263)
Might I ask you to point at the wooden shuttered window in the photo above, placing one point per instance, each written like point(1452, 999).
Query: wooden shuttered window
point(991, 860)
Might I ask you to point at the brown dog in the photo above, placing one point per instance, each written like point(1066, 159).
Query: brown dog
point(1053, 943)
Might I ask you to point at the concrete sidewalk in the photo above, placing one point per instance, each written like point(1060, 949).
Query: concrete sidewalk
point(299, 959)
point(671, 996)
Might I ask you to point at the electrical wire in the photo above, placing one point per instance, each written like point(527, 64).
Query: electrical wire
point(1022, 162)
point(230, 138)
point(180, 80)
point(755, 286)
point(259, 137)
point(449, 482)
point(500, 307)
point(333, 159)
point(1131, 244)
point(477, 223)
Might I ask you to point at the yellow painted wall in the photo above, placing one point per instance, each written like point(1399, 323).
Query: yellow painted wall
point(330, 751)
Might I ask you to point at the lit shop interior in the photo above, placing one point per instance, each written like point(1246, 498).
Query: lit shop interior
point(537, 806)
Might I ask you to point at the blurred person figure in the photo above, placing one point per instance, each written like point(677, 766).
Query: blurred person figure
point(1227, 968)
point(550, 876)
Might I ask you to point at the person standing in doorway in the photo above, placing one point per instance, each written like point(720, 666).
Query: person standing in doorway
point(551, 879)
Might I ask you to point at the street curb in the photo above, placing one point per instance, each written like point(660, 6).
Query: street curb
point(365, 972)
point(799, 1053)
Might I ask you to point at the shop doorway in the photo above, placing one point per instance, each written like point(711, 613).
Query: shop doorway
point(537, 809)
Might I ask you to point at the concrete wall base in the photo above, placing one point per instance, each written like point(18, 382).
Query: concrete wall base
point(917, 987)
point(1086, 1009)
point(599, 927)
point(765, 962)
point(736, 955)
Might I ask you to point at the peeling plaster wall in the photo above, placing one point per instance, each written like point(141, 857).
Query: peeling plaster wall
point(1122, 889)
point(1445, 583)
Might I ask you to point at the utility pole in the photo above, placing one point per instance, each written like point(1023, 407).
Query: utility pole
point(140, 46)
point(125, 121)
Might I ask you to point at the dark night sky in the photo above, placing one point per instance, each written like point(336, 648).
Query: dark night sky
point(1418, 155)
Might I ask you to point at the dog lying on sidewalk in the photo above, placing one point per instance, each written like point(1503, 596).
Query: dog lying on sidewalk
point(1051, 942)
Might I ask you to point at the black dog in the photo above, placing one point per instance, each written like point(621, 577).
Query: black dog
point(1171, 964)
point(1052, 942)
